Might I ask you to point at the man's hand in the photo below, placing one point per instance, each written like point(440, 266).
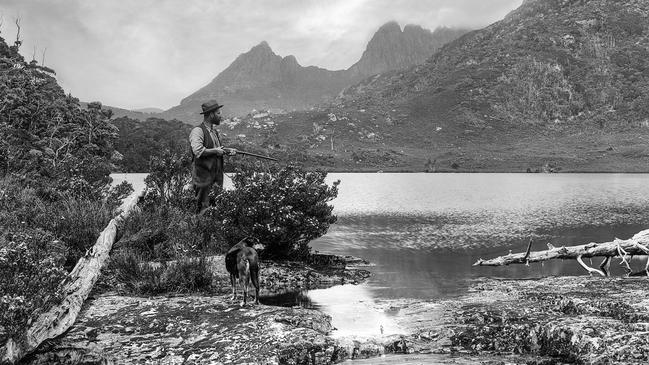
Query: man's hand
point(220, 151)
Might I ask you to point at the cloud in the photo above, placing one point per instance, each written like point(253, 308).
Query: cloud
point(144, 53)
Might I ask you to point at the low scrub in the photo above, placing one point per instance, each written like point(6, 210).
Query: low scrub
point(74, 221)
point(31, 274)
point(129, 273)
point(284, 208)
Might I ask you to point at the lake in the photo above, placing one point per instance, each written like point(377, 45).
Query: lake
point(422, 232)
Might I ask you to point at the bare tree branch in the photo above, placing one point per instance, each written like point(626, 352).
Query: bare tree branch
point(637, 245)
point(588, 268)
point(18, 41)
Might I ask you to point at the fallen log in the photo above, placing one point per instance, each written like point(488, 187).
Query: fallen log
point(76, 288)
point(636, 245)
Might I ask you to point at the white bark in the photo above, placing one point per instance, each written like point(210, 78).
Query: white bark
point(77, 287)
point(636, 245)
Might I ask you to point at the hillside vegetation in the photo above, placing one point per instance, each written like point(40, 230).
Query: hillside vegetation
point(556, 85)
point(55, 160)
point(556, 81)
point(553, 61)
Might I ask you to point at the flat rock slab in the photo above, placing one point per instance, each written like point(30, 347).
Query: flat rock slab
point(566, 319)
point(196, 329)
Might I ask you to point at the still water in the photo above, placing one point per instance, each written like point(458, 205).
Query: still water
point(423, 232)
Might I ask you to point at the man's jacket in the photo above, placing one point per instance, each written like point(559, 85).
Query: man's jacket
point(207, 170)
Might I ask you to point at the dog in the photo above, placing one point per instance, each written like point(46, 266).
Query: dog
point(242, 263)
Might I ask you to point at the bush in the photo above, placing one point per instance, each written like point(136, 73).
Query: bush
point(129, 273)
point(30, 277)
point(170, 176)
point(284, 209)
point(75, 221)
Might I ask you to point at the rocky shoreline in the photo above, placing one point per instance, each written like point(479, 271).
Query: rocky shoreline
point(211, 328)
point(551, 320)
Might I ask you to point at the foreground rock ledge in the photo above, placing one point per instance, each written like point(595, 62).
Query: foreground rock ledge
point(198, 329)
point(546, 321)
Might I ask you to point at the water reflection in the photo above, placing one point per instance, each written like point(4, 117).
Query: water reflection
point(289, 299)
point(356, 313)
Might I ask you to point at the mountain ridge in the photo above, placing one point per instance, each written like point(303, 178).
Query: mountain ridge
point(261, 79)
point(556, 84)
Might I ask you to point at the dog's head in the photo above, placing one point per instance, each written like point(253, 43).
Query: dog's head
point(253, 242)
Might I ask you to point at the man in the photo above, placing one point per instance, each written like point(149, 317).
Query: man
point(207, 155)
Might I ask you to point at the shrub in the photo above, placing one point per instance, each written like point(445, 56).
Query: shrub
point(284, 209)
point(30, 277)
point(129, 273)
point(76, 222)
point(170, 176)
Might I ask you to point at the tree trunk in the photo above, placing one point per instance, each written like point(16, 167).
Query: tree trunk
point(637, 245)
point(77, 287)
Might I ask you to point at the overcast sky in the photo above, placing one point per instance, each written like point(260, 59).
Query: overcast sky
point(152, 53)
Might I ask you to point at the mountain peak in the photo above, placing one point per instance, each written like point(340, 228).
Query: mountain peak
point(290, 59)
point(262, 48)
point(390, 27)
point(391, 48)
point(413, 27)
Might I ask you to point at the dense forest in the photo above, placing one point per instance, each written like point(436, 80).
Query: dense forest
point(139, 141)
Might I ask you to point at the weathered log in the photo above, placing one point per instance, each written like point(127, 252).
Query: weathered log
point(76, 288)
point(636, 245)
point(147, 237)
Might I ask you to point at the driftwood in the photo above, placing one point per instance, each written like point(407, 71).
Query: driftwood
point(636, 245)
point(145, 236)
point(76, 288)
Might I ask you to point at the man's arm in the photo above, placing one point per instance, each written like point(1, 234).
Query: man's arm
point(218, 151)
point(196, 141)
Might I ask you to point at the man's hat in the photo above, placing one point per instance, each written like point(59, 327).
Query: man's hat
point(210, 106)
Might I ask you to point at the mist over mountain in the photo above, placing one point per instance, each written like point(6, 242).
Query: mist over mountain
point(148, 110)
point(261, 79)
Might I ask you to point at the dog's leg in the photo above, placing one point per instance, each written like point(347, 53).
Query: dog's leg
point(244, 287)
point(254, 276)
point(233, 283)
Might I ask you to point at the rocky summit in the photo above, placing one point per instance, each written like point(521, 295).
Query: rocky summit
point(262, 80)
point(393, 49)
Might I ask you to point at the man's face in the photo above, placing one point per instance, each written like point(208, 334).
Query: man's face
point(215, 117)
